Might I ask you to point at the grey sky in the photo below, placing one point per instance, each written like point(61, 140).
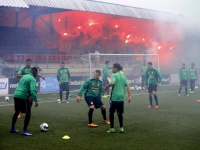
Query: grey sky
point(184, 7)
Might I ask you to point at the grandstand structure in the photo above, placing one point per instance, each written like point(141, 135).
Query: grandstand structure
point(24, 33)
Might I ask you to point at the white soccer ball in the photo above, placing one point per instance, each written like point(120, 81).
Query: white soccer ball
point(196, 87)
point(6, 98)
point(44, 127)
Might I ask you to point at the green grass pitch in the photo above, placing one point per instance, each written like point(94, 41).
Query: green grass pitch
point(174, 126)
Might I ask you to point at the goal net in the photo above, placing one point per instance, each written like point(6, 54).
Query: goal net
point(131, 64)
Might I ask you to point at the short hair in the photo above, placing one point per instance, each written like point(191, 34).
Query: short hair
point(28, 60)
point(192, 63)
point(62, 62)
point(117, 65)
point(145, 61)
point(121, 68)
point(183, 63)
point(34, 70)
point(107, 61)
point(150, 63)
point(98, 71)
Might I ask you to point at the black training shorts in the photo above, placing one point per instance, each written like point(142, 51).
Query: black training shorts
point(152, 87)
point(184, 83)
point(22, 105)
point(96, 101)
point(64, 86)
point(117, 105)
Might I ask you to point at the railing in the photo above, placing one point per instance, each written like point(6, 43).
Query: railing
point(6, 71)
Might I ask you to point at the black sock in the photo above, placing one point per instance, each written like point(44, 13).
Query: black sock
point(90, 114)
point(186, 90)
point(112, 120)
point(26, 120)
point(150, 100)
point(14, 119)
point(180, 88)
point(120, 117)
point(156, 99)
point(103, 112)
point(67, 95)
point(60, 95)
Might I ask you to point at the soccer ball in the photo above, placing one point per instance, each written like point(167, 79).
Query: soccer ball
point(132, 88)
point(44, 127)
point(6, 98)
point(196, 87)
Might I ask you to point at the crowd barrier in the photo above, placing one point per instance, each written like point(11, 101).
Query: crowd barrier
point(50, 84)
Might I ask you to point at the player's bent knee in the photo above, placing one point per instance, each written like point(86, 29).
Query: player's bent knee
point(103, 107)
point(92, 107)
point(154, 93)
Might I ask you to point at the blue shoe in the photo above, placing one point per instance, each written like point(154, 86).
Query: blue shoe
point(25, 133)
point(13, 130)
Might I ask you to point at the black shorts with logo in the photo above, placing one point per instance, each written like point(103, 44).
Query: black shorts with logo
point(184, 83)
point(152, 87)
point(96, 101)
point(64, 86)
point(117, 105)
point(22, 105)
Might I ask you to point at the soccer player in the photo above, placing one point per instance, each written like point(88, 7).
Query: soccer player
point(26, 70)
point(143, 73)
point(153, 80)
point(193, 77)
point(118, 84)
point(27, 85)
point(105, 77)
point(183, 76)
point(63, 76)
point(93, 91)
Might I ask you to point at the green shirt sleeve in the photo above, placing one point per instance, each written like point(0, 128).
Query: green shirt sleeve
point(33, 90)
point(20, 71)
point(83, 87)
point(159, 76)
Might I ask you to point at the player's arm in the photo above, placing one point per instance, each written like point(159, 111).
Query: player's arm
point(128, 90)
point(38, 75)
point(141, 72)
point(113, 80)
point(33, 91)
point(82, 90)
point(159, 78)
point(69, 77)
point(20, 72)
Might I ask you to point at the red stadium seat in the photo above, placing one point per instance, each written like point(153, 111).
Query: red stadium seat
point(8, 57)
point(51, 57)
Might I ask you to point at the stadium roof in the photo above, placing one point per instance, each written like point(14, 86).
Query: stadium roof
point(99, 7)
point(14, 3)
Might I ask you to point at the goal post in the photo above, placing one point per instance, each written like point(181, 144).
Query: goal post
point(131, 63)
